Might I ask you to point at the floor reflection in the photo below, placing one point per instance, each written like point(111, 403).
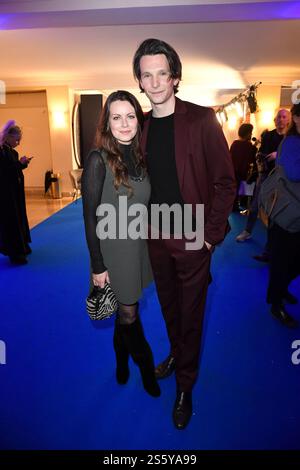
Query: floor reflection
point(41, 207)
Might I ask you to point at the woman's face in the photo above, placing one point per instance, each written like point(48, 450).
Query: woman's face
point(13, 139)
point(123, 122)
point(296, 120)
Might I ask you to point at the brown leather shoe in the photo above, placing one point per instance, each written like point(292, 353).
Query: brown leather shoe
point(165, 368)
point(183, 409)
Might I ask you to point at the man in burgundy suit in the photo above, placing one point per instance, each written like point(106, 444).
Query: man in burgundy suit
point(188, 163)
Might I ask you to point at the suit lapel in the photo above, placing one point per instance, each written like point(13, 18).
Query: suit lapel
point(145, 136)
point(181, 139)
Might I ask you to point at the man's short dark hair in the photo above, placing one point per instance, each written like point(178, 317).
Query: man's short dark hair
point(154, 47)
point(245, 130)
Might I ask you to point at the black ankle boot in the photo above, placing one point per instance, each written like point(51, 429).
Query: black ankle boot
point(142, 355)
point(122, 354)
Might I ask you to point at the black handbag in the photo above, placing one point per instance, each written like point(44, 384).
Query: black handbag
point(101, 303)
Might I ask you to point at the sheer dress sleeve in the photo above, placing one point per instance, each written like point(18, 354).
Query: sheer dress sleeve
point(91, 187)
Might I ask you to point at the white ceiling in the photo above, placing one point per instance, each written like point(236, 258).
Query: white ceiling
point(224, 44)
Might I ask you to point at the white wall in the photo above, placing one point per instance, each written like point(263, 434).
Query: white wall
point(49, 144)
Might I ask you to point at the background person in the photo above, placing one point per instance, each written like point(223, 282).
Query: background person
point(285, 245)
point(243, 154)
point(14, 228)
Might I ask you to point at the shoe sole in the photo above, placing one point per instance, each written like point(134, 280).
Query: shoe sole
point(291, 325)
point(244, 240)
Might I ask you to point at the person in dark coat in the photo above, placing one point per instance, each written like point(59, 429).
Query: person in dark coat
point(243, 154)
point(270, 141)
point(14, 228)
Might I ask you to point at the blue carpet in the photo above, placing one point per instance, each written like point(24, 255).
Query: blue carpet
point(58, 389)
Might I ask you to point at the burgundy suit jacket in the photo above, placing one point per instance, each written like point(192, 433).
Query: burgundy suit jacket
point(204, 166)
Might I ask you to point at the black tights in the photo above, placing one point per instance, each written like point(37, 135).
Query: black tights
point(127, 313)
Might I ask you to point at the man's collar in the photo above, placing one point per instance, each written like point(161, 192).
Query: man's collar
point(180, 108)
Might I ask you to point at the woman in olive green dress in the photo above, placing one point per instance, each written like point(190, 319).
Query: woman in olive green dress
point(115, 169)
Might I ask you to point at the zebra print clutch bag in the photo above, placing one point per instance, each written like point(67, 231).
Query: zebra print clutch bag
point(101, 303)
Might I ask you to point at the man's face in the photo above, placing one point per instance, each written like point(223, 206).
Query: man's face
point(13, 139)
point(282, 120)
point(155, 79)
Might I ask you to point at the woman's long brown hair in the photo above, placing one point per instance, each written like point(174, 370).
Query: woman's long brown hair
point(106, 141)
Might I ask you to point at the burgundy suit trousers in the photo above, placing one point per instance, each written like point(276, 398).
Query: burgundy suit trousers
point(182, 278)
